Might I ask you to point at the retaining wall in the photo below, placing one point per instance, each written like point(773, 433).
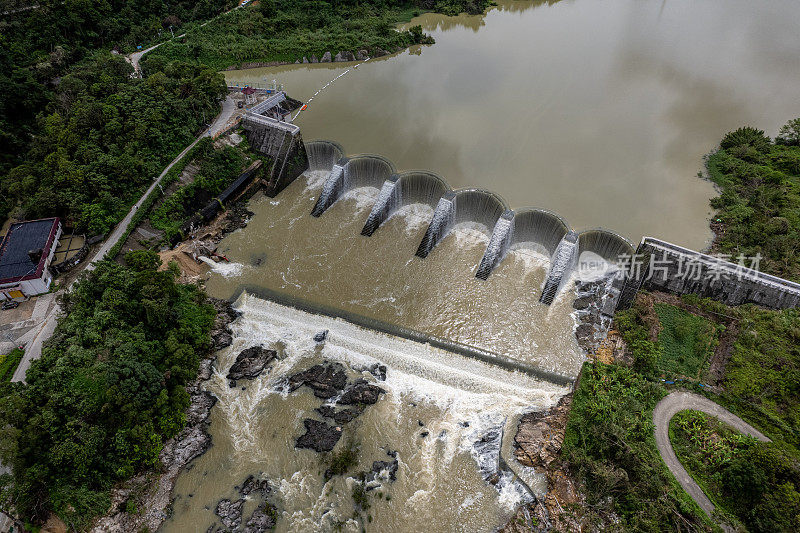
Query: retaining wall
point(282, 142)
point(670, 268)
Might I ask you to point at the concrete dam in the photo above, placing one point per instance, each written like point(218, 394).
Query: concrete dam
point(625, 270)
point(536, 229)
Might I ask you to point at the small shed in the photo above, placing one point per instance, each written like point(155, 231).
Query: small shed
point(249, 95)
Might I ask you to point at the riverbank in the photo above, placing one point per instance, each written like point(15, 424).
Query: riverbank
point(757, 205)
point(267, 34)
point(143, 502)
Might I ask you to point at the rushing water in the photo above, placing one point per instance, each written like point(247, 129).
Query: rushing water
point(457, 401)
point(327, 261)
point(599, 111)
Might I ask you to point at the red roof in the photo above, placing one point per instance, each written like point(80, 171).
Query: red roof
point(248, 90)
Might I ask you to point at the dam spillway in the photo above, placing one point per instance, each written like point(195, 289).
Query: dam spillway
point(352, 173)
point(538, 230)
point(412, 187)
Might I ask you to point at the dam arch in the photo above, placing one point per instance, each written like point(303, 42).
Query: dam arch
point(607, 244)
point(367, 170)
point(459, 206)
point(531, 228)
point(323, 155)
point(405, 188)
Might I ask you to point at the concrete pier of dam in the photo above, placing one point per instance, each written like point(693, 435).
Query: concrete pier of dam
point(271, 135)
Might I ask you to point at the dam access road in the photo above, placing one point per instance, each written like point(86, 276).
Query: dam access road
point(679, 401)
point(44, 330)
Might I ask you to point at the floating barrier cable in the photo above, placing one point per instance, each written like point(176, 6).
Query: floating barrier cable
point(305, 106)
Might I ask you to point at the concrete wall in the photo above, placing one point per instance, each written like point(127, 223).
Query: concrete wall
point(283, 144)
point(671, 268)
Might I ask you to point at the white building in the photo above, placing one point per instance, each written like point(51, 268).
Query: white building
point(25, 255)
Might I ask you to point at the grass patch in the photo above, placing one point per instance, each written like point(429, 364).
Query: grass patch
point(688, 341)
point(9, 364)
point(343, 460)
point(762, 381)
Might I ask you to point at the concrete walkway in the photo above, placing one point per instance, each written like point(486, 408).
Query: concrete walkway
point(682, 401)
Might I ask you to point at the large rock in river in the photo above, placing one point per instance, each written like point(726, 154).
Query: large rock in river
point(261, 520)
point(326, 380)
point(361, 393)
point(319, 436)
point(230, 513)
point(250, 363)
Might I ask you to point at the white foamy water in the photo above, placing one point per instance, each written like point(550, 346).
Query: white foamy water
point(458, 400)
point(225, 269)
point(315, 179)
point(364, 198)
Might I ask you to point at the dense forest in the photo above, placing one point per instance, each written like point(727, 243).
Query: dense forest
point(759, 203)
point(107, 392)
point(289, 30)
point(80, 139)
point(39, 46)
point(107, 137)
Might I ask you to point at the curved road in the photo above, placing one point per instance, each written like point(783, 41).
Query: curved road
point(668, 407)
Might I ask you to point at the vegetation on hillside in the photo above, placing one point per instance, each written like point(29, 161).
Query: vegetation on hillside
point(609, 437)
point(105, 137)
point(40, 46)
point(287, 31)
point(750, 482)
point(218, 169)
point(9, 363)
point(759, 202)
point(762, 380)
point(107, 392)
point(611, 447)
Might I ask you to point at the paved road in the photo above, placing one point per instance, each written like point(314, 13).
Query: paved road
point(681, 401)
point(44, 331)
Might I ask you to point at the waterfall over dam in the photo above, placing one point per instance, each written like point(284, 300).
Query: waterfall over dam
point(539, 230)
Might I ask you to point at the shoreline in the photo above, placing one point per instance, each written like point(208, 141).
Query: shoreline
point(152, 492)
point(343, 56)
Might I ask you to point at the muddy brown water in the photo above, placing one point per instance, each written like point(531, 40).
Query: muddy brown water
point(599, 111)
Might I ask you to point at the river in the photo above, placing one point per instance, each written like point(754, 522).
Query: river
point(598, 111)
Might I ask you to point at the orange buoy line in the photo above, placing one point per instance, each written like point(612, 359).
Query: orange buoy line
point(305, 106)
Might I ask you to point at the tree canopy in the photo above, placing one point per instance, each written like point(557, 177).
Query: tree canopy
point(107, 391)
